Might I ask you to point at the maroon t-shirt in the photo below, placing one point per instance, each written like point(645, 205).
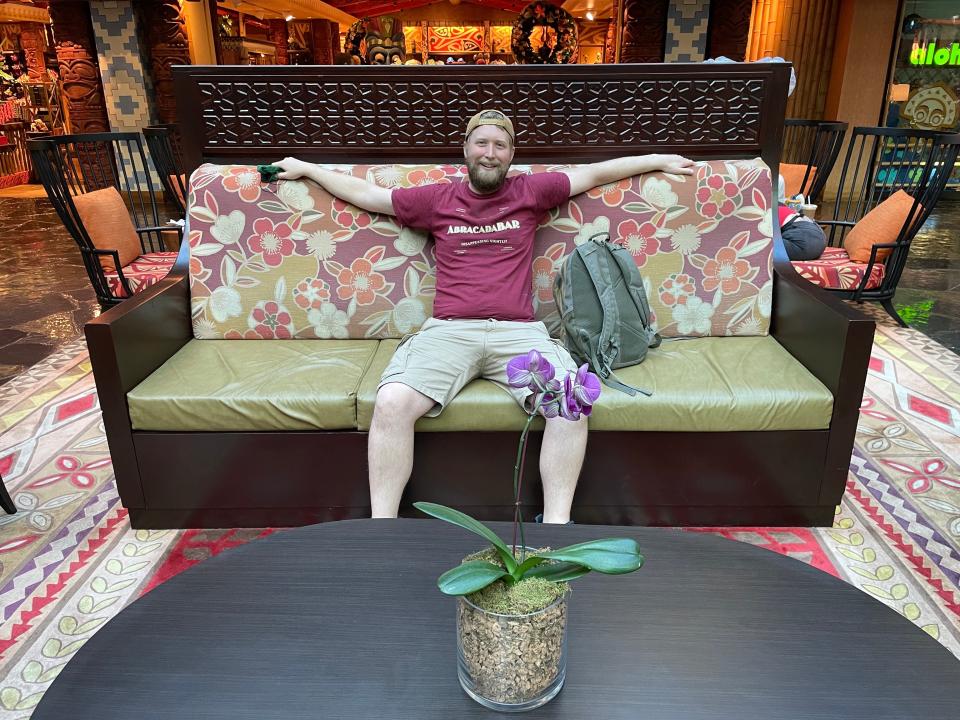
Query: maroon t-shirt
point(484, 242)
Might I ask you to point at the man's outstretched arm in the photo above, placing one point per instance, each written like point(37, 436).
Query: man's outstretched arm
point(354, 190)
point(601, 173)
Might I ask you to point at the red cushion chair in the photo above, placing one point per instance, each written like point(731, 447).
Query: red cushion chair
point(106, 194)
point(834, 269)
point(142, 272)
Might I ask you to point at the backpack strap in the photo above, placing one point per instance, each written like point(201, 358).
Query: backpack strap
point(639, 297)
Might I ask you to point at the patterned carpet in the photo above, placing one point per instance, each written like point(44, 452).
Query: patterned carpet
point(69, 560)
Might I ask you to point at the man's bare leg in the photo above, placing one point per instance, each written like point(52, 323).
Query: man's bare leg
point(561, 457)
point(390, 445)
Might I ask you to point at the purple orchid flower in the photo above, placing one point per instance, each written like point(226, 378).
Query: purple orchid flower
point(570, 399)
point(532, 370)
point(580, 392)
point(586, 386)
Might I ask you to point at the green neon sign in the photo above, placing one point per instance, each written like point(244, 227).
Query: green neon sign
point(932, 55)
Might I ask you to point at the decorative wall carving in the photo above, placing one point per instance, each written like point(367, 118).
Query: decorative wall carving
point(644, 30)
point(33, 41)
point(572, 114)
point(167, 45)
point(729, 28)
point(77, 56)
point(610, 44)
point(278, 36)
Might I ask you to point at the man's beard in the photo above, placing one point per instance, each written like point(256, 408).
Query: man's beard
point(486, 179)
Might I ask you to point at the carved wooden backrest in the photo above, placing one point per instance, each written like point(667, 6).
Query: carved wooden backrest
point(573, 113)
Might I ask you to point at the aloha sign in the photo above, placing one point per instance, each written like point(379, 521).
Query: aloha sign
point(932, 55)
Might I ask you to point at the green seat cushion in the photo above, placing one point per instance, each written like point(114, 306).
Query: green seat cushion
point(699, 385)
point(221, 385)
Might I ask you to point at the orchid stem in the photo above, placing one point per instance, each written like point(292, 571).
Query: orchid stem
point(518, 483)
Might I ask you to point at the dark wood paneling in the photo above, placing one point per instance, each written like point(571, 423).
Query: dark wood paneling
point(634, 478)
point(562, 113)
point(644, 31)
point(278, 36)
point(729, 28)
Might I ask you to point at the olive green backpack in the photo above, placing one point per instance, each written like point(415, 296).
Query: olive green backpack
point(603, 309)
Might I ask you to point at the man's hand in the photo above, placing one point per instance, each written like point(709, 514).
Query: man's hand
point(293, 168)
point(676, 164)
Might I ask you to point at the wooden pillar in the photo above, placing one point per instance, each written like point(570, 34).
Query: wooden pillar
point(167, 45)
point(33, 41)
point(200, 33)
point(335, 47)
point(278, 36)
point(643, 31)
point(79, 72)
point(215, 24)
point(729, 28)
point(322, 47)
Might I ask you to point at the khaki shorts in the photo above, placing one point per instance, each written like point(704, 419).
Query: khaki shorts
point(445, 355)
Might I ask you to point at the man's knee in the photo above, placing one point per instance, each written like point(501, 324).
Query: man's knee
point(569, 427)
point(399, 403)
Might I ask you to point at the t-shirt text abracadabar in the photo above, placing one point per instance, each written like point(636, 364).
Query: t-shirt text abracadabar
point(484, 243)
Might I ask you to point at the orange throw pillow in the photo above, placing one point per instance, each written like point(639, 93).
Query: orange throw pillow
point(880, 225)
point(176, 182)
point(107, 222)
point(793, 176)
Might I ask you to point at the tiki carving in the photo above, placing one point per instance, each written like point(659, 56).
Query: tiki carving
point(77, 56)
point(729, 28)
point(644, 30)
point(33, 41)
point(610, 44)
point(278, 36)
point(167, 45)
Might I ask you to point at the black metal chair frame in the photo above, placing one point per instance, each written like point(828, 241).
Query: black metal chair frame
point(816, 144)
point(70, 165)
point(868, 178)
point(163, 142)
point(6, 502)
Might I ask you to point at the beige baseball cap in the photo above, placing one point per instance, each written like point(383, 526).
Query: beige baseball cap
point(490, 117)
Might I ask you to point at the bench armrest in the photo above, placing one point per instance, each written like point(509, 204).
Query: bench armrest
point(833, 341)
point(127, 343)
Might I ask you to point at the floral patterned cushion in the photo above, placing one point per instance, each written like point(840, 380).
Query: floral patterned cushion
point(142, 272)
point(287, 260)
point(834, 269)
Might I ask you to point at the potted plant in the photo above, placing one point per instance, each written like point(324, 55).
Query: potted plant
point(512, 600)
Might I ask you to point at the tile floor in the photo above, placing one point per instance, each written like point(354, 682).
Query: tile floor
point(45, 297)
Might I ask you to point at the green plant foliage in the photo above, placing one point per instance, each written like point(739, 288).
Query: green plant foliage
point(611, 556)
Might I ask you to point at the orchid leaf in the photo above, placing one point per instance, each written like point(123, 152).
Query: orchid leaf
point(455, 517)
point(469, 577)
point(613, 556)
point(557, 571)
point(531, 562)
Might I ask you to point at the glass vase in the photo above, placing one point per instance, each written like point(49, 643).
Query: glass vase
point(512, 663)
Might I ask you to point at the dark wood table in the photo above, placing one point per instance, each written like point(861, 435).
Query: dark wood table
point(344, 620)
